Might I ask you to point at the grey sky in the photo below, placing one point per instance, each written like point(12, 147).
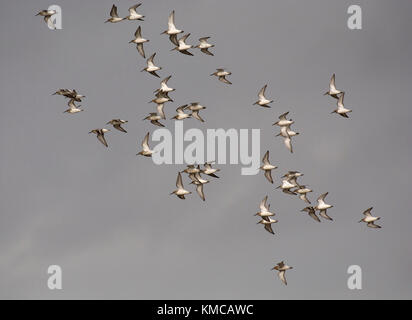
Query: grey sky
point(106, 216)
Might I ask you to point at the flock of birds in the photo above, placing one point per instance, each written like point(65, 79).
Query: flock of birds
point(289, 185)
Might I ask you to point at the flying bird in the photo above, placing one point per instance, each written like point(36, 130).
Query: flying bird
point(180, 191)
point(369, 219)
point(154, 118)
point(302, 191)
point(267, 167)
point(161, 97)
point(195, 115)
point(172, 31)
point(151, 68)
point(208, 170)
point(160, 111)
point(146, 151)
point(139, 41)
point(267, 222)
point(333, 92)
point(322, 206)
point(221, 74)
point(47, 14)
point(191, 169)
point(281, 267)
point(264, 212)
point(133, 15)
point(199, 182)
point(286, 132)
point(341, 110)
point(100, 135)
point(181, 114)
point(114, 17)
point(195, 107)
point(286, 186)
point(312, 213)
point(182, 46)
point(283, 121)
point(117, 124)
point(263, 101)
point(72, 107)
point(164, 88)
point(204, 46)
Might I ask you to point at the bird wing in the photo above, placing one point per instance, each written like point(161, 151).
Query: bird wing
point(132, 9)
point(322, 196)
point(367, 212)
point(373, 225)
point(179, 183)
point(204, 39)
point(313, 215)
point(282, 277)
point(263, 205)
point(165, 80)
point(138, 33)
point(340, 100)
point(100, 137)
point(195, 114)
point(206, 50)
point(265, 159)
point(268, 228)
point(119, 127)
point(49, 21)
point(325, 215)
point(145, 142)
point(268, 175)
point(184, 38)
point(224, 80)
point(173, 39)
point(199, 190)
point(150, 60)
point(283, 116)
point(181, 108)
point(332, 83)
point(288, 143)
point(141, 49)
point(261, 93)
point(171, 21)
point(113, 12)
point(159, 109)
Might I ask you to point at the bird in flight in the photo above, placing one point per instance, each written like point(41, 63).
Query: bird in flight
point(172, 31)
point(281, 267)
point(151, 68)
point(47, 14)
point(146, 151)
point(322, 206)
point(263, 101)
point(117, 124)
point(204, 46)
point(333, 92)
point(100, 135)
point(114, 17)
point(221, 75)
point(139, 41)
point(341, 110)
point(369, 219)
point(182, 46)
point(180, 191)
point(73, 108)
point(267, 167)
point(311, 212)
point(133, 15)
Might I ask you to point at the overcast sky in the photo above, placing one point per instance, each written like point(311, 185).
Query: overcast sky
point(106, 216)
